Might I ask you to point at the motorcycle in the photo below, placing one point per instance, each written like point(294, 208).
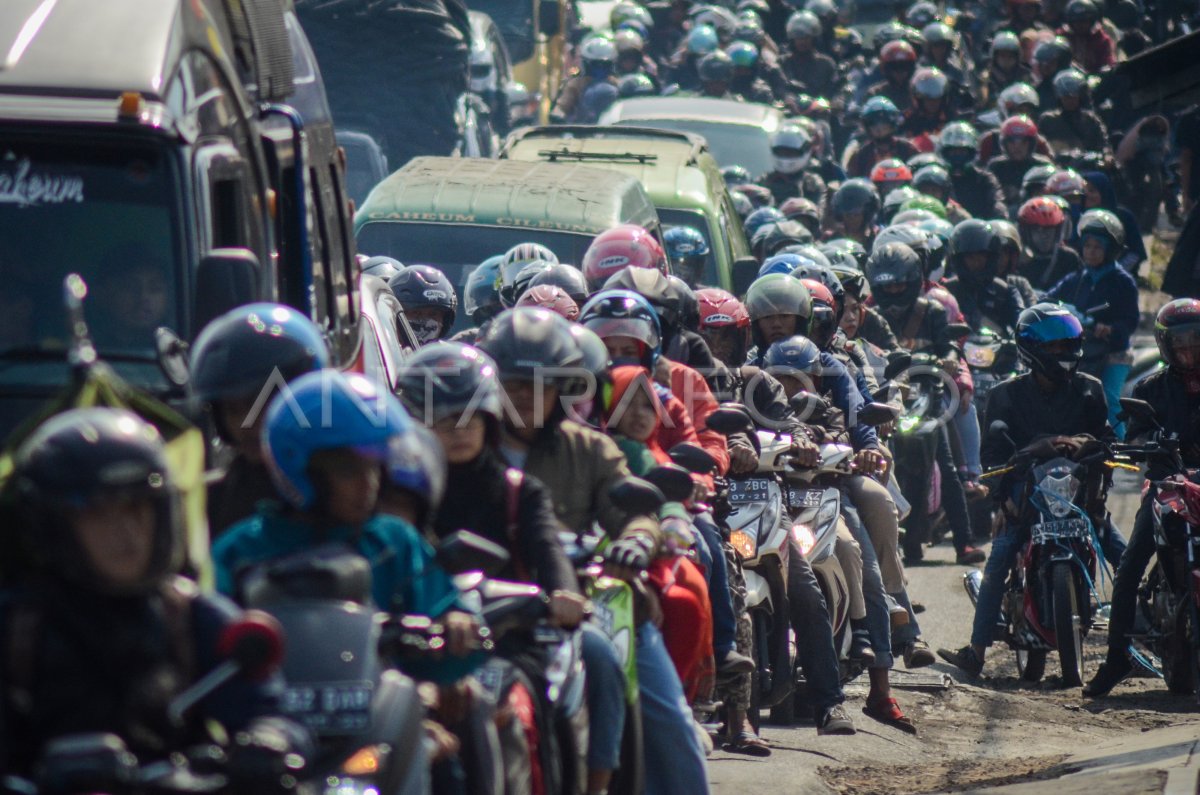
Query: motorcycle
point(1047, 603)
point(1169, 597)
point(992, 359)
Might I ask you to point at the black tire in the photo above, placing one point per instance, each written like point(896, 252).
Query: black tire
point(1031, 664)
point(1179, 659)
point(784, 713)
point(1068, 624)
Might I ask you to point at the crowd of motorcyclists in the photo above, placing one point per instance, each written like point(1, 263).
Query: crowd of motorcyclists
point(951, 179)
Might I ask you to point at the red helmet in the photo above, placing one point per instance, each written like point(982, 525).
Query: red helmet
point(898, 51)
point(625, 246)
point(1066, 183)
point(1040, 211)
point(552, 297)
point(891, 170)
point(719, 308)
point(818, 292)
point(1176, 329)
point(1018, 127)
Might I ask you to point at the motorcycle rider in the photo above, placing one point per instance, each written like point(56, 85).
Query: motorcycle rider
point(1091, 46)
point(791, 153)
point(101, 634)
point(853, 211)
point(1046, 258)
point(429, 301)
point(1174, 394)
point(974, 188)
point(1008, 263)
point(481, 294)
point(934, 103)
point(881, 120)
point(1018, 140)
point(897, 64)
point(1053, 404)
point(981, 295)
point(810, 71)
point(236, 363)
point(1005, 67)
point(688, 251)
point(597, 64)
point(745, 82)
point(1072, 126)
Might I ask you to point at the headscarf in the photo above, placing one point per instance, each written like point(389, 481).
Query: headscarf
point(624, 379)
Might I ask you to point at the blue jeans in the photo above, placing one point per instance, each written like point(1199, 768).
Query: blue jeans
point(605, 682)
point(879, 618)
point(674, 760)
point(1113, 378)
point(713, 557)
point(967, 425)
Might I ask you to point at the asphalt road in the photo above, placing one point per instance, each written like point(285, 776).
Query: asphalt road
point(993, 730)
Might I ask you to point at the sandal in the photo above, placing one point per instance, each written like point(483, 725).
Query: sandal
point(887, 711)
point(748, 743)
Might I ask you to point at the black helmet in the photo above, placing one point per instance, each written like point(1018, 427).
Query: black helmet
point(565, 276)
point(856, 195)
point(424, 286)
point(481, 295)
point(1176, 329)
point(531, 343)
point(1082, 11)
point(825, 275)
point(657, 290)
point(838, 249)
point(689, 305)
point(715, 67)
point(890, 265)
point(87, 454)
point(443, 379)
point(514, 261)
point(1050, 341)
point(525, 277)
point(773, 237)
point(974, 236)
point(383, 267)
point(736, 175)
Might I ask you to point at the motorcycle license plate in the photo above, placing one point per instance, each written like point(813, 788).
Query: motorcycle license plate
point(804, 498)
point(334, 708)
point(1060, 529)
point(749, 490)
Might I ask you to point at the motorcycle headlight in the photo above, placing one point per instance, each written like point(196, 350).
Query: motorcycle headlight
point(1059, 493)
point(366, 761)
point(827, 514)
point(743, 543)
point(982, 356)
point(804, 537)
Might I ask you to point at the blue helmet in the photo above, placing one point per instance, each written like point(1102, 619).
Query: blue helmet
point(760, 218)
point(481, 295)
point(795, 355)
point(702, 40)
point(780, 263)
point(416, 463)
point(624, 313)
point(743, 54)
point(1050, 325)
point(327, 410)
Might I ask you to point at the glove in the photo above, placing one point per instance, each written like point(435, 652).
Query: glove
point(630, 553)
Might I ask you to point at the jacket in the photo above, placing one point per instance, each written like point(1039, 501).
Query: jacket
point(1106, 284)
point(979, 193)
point(1080, 129)
point(692, 390)
point(1009, 173)
point(876, 330)
point(1176, 411)
point(1077, 407)
point(814, 74)
point(995, 300)
point(922, 327)
point(1093, 50)
point(1045, 272)
point(805, 184)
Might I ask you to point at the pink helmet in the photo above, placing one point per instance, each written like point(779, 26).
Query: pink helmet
point(625, 246)
point(554, 298)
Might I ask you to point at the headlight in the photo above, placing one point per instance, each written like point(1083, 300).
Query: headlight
point(982, 356)
point(827, 514)
point(804, 537)
point(743, 543)
point(1059, 492)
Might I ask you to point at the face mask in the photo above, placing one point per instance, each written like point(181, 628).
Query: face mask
point(426, 330)
point(791, 165)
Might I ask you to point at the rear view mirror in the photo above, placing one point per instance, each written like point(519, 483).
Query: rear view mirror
point(225, 278)
point(673, 481)
point(693, 458)
point(636, 496)
point(727, 421)
point(898, 362)
point(1137, 409)
point(172, 356)
point(955, 331)
point(745, 271)
point(998, 428)
point(875, 414)
point(806, 404)
point(464, 551)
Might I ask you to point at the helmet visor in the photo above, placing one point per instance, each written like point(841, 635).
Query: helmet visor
point(1056, 328)
point(635, 328)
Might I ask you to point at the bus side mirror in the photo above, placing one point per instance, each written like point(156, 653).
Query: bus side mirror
point(745, 271)
point(225, 278)
point(548, 18)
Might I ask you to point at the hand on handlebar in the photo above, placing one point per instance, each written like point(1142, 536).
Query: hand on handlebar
point(742, 458)
point(629, 555)
point(806, 453)
point(461, 631)
point(870, 461)
point(567, 610)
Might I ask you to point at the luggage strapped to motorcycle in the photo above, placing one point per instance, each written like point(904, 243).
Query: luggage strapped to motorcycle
point(514, 479)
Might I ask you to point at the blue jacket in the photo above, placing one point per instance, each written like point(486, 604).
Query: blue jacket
point(1135, 249)
point(1105, 284)
point(848, 397)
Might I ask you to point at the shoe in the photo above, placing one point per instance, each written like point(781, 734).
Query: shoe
point(887, 711)
point(860, 648)
point(970, 555)
point(965, 659)
point(918, 607)
point(917, 654)
point(1110, 673)
point(748, 743)
point(974, 490)
point(734, 663)
point(834, 720)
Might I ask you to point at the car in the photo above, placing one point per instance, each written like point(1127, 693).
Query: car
point(738, 133)
point(678, 172)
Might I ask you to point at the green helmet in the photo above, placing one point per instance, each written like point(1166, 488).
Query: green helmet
point(928, 203)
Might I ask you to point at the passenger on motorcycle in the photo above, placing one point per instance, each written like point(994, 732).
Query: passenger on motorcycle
point(1053, 405)
point(1009, 261)
point(974, 188)
point(1046, 258)
point(1072, 126)
point(429, 301)
point(1099, 194)
point(791, 152)
point(1174, 394)
point(100, 635)
point(881, 120)
point(1018, 139)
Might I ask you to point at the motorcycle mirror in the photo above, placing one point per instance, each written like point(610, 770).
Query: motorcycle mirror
point(464, 551)
point(898, 362)
point(954, 331)
point(673, 481)
point(727, 421)
point(876, 414)
point(1139, 409)
point(636, 496)
point(882, 394)
point(255, 644)
point(693, 458)
point(806, 404)
point(172, 354)
point(998, 428)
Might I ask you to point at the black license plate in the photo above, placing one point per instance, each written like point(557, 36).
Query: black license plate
point(336, 708)
point(749, 490)
point(804, 498)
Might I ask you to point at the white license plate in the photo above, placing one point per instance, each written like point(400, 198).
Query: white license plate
point(805, 498)
point(749, 490)
point(337, 708)
point(1060, 529)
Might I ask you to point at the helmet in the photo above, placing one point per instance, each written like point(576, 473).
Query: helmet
point(635, 85)
point(938, 33)
point(777, 294)
point(825, 315)
point(422, 286)
point(809, 252)
point(749, 29)
point(598, 56)
point(568, 277)
point(792, 356)
point(791, 148)
point(1176, 330)
point(416, 463)
point(920, 14)
point(237, 354)
point(622, 313)
point(629, 41)
point(78, 456)
point(928, 247)
point(1006, 41)
point(530, 343)
point(1016, 95)
point(719, 19)
point(592, 349)
point(780, 263)
point(526, 275)
point(445, 379)
point(1035, 179)
point(1050, 341)
point(1018, 127)
point(771, 238)
point(719, 308)
point(895, 200)
point(547, 296)
point(687, 250)
point(958, 144)
point(854, 283)
point(855, 195)
point(922, 204)
point(757, 195)
point(932, 176)
point(327, 410)
point(735, 175)
point(701, 40)
point(880, 109)
point(383, 267)
point(658, 292)
point(803, 210)
point(760, 218)
point(514, 261)
point(822, 8)
point(974, 236)
point(743, 54)
point(889, 174)
point(1067, 183)
point(845, 251)
point(481, 294)
point(625, 246)
point(741, 203)
point(680, 292)
point(897, 52)
point(809, 271)
point(626, 12)
point(1070, 83)
point(1007, 234)
point(847, 44)
point(892, 264)
point(929, 83)
point(1042, 224)
point(1082, 11)
point(888, 32)
point(1104, 225)
point(717, 66)
point(1052, 55)
point(804, 23)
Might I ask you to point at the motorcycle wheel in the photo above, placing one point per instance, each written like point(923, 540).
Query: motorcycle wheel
point(1178, 660)
point(1031, 664)
point(1068, 625)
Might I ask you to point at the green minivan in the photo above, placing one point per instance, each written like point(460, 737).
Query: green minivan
point(676, 169)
